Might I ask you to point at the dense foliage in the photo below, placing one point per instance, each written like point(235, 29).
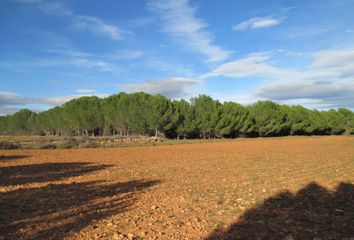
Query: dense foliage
point(140, 113)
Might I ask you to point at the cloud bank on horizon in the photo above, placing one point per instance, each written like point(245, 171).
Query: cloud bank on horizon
point(241, 51)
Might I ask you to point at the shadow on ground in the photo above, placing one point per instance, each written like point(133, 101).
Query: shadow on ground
point(55, 210)
point(45, 172)
point(6, 158)
point(312, 213)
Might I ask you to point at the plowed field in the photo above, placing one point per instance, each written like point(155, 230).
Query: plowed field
point(276, 188)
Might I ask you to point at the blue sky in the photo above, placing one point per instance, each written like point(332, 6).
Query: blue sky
point(291, 52)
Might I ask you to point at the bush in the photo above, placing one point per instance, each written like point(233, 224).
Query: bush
point(88, 144)
point(45, 145)
point(70, 143)
point(8, 145)
point(110, 145)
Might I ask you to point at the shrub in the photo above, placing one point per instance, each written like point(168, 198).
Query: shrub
point(70, 143)
point(88, 144)
point(45, 145)
point(8, 145)
point(110, 145)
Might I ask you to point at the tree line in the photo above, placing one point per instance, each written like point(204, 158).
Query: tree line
point(202, 117)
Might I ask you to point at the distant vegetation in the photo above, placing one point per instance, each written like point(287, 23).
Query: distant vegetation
point(144, 114)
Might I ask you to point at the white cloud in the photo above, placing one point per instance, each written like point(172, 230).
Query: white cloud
point(55, 8)
point(180, 22)
point(326, 65)
point(323, 94)
point(318, 104)
point(303, 32)
point(10, 98)
point(57, 101)
point(327, 81)
point(253, 65)
point(92, 63)
point(96, 25)
point(334, 58)
point(83, 22)
point(171, 68)
point(65, 57)
point(11, 102)
point(241, 97)
point(8, 110)
point(84, 60)
point(60, 100)
point(306, 89)
point(258, 22)
point(286, 9)
point(174, 87)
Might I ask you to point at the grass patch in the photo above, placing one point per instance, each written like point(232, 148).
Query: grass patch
point(88, 144)
point(4, 145)
point(44, 145)
point(69, 143)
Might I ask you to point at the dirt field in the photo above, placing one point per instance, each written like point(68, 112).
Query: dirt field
point(276, 188)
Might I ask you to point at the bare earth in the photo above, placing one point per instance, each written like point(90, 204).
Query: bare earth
point(276, 188)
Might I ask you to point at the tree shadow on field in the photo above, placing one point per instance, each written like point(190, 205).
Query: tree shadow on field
point(6, 158)
point(57, 209)
point(312, 213)
point(45, 172)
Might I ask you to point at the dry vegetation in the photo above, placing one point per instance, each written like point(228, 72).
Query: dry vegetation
point(276, 188)
point(52, 142)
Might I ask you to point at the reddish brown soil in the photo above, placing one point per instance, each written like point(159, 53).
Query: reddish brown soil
point(277, 188)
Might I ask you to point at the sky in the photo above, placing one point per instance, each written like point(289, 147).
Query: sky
point(291, 52)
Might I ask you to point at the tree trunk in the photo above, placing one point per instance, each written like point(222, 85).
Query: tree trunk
point(156, 133)
point(177, 136)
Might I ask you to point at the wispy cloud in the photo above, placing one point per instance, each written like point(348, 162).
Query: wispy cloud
point(174, 87)
point(327, 81)
point(323, 94)
point(241, 97)
point(303, 32)
point(10, 98)
point(258, 22)
point(96, 25)
point(8, 110)
point(55, 8)
point(334, 64)
point(171, 68)
point(286, 9)
point(11, 102)
point(60, 100)
point(253, 65)
point(83, 22)
point(180, 22)
point(334, 58)
point(65, 57)
point(306, 90)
